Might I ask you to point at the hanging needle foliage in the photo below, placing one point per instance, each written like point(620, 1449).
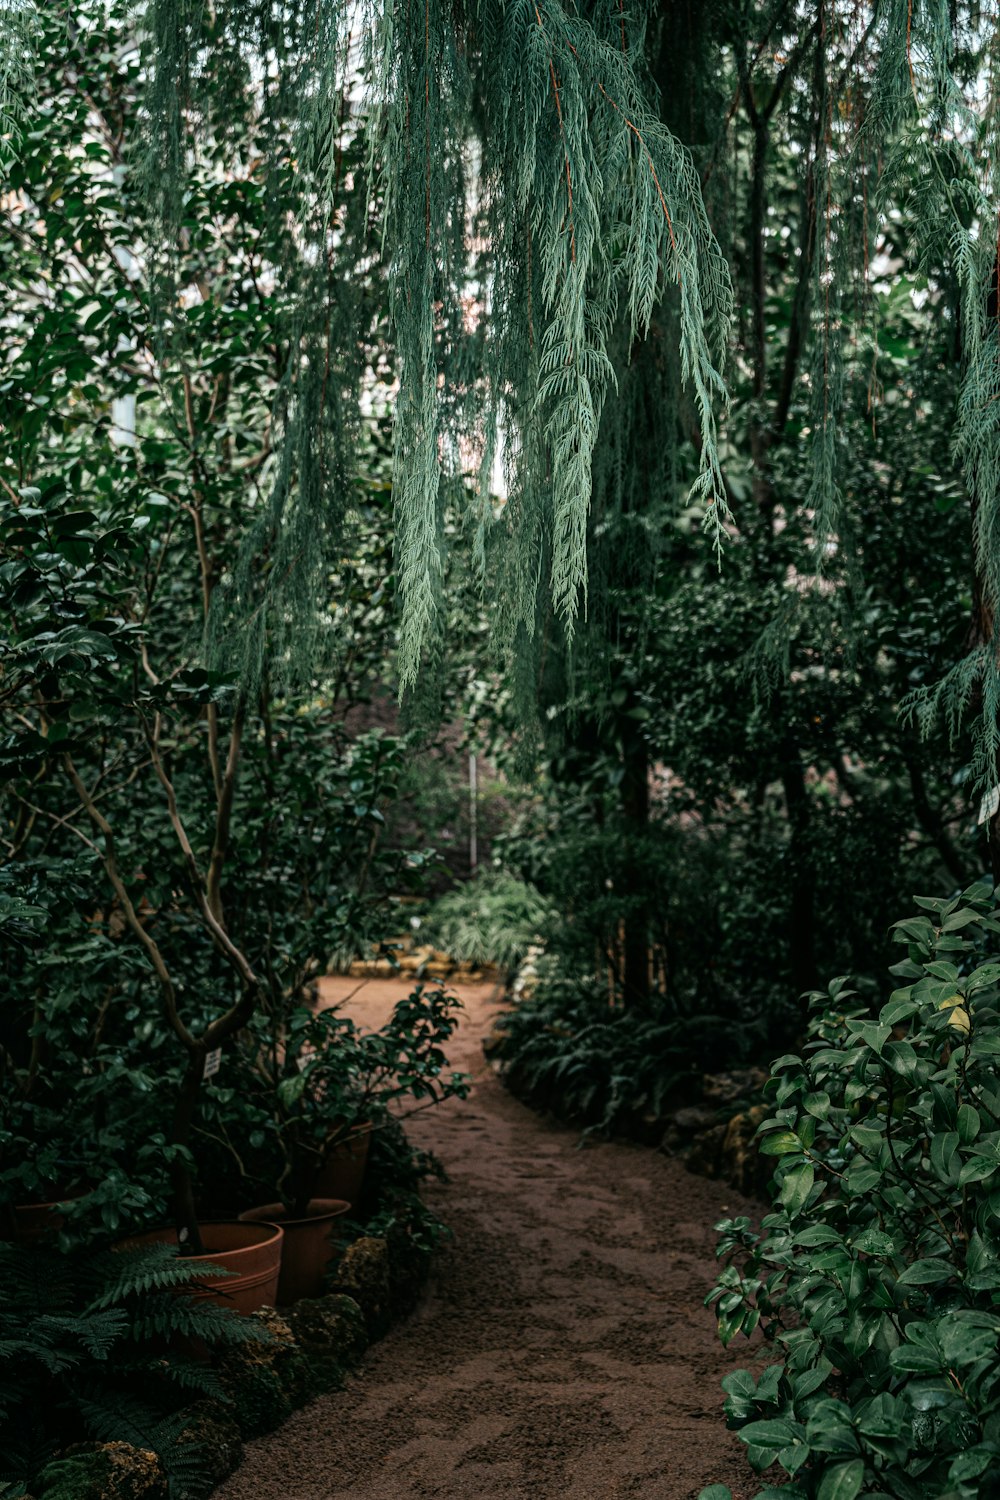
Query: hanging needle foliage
point(501, 178)
point(523, 194)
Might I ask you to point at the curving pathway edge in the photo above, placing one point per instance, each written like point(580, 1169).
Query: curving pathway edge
point(561, 1351)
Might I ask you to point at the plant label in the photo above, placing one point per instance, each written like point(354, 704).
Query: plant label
point(213, 1062)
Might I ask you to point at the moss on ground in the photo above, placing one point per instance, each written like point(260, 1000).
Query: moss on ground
point(362, 1273)
point(104, 1471)
point(332, 1334)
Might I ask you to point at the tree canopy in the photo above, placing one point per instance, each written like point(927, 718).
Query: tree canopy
point(547, 187)
point(659, 342)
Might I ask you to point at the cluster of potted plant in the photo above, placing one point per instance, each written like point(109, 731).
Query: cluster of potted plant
point(314, 1087)
point(304, 1095)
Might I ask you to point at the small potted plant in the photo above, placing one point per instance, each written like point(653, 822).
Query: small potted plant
point(328, 1084)
point(345, 1153)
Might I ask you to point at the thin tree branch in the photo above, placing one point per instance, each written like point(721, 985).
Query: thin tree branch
point(223, 819)
point(216, 930)
point(147, 941)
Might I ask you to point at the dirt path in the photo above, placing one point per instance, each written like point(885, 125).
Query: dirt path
point(561, 1351)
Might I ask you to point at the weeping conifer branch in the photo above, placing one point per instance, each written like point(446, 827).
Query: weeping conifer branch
point(607, 212)
point(585, 208)
point(903, 95)
point(947, 146)
point(17, 36)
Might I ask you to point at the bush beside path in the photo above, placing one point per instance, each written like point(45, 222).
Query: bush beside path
point(561, 1351)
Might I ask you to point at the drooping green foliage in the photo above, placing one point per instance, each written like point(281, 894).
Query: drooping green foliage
point(581, 206)
point(558, 230)
point(612, 206)
point(900, 115)
point(16, 46)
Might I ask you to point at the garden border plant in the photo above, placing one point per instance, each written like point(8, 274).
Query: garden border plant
point(91, 1351)
point(80, 1329)
point(876, 1279)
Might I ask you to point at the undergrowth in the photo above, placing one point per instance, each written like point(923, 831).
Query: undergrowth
point(93, 1347)
point(493, 919)
point(609, 1068)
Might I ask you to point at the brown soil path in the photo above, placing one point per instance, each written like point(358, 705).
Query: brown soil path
point(561, 1351)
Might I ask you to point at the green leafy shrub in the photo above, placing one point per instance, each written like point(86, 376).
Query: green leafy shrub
point(568, 1049)
point(392, 1207)
point(302, 1081)
point(493, 919)
point(876, 1280)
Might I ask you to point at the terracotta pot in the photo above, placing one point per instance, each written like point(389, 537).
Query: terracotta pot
point(251, 1251)
point(343, 1173)
point(33, 1221)
point(309, 1244)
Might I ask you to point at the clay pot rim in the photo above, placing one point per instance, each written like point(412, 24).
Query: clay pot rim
point(135, 1241)
point(39, 1205)
point(72, 1196)
point(351, 1132)
point(278, 1215)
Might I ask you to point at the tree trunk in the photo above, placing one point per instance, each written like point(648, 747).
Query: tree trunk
point(635, 807)
point(802, 905)
point(932, 823)
point(185, 1107)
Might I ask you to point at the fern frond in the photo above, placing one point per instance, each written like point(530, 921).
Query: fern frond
point(113, 1416)
point(158, 1315)
point(188, 1375)
point(130, 1272)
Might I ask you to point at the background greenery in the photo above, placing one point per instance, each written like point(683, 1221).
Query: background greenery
point(710, 789)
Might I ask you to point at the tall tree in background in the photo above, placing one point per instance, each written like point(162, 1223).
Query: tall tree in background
point(544, 181)
point(844, 154)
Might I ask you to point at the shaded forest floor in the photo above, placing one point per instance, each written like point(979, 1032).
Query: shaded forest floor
point(561, 1350)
